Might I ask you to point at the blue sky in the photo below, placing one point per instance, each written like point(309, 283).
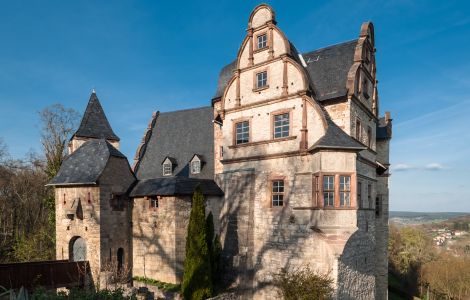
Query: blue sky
point(144, 56)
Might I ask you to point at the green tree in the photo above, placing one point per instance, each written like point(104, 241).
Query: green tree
point(197, 277)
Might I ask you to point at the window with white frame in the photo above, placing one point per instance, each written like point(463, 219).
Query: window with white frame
point(344, 190)
point(277, 196)
point(167, 169)
point(281, 125)
point(242, 134)
point(262, 41)
point(261, 79)
point(195, 167)
point(328, 190)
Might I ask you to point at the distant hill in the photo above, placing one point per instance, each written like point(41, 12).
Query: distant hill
point(412, 217)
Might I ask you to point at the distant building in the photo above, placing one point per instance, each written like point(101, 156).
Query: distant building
point(292, 157)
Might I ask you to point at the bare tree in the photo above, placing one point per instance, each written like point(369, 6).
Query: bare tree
point(58, 123)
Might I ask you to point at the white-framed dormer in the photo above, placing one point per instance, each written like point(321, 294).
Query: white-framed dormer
point(168, 165)
point(196, 164)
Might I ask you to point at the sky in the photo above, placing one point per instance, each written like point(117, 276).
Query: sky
point(145, 56)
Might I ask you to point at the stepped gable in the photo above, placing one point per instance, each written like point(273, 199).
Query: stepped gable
point(179, 135)
point(85, 165)
point(327, 69)
point(94, 123)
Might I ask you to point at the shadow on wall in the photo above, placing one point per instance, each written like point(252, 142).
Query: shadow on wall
point(356, 278)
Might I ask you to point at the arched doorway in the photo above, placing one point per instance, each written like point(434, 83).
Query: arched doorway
point(77, 247)
point(120, 258)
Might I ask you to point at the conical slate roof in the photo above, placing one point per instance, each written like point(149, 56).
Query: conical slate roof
point(94, 122)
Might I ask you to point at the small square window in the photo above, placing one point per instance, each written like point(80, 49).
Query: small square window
point(277, 198)
point(153, 202)
point(195, 167)
point(167, 169)
point(262, 41)
point(261, 79)
point(281, 125)
point(242, 132)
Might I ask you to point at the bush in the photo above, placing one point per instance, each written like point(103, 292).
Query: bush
point(303, 284)
point(197, 277)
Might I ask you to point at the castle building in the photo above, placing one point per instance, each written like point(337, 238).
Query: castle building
point(292, 157)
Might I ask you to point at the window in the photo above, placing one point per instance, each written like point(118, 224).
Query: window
point(262, 41)
point(281, 125)
point(359, 194)
point(221, 152)
point(153, 202)
point(277, 197)
point(378, 207)
point(344, 190)
point(316, 186)
point(365, 88)
point(261, 79)
point(358, 130)
point(369, 137)
point(242, 132)
point(369, 195)
point(195, 167)
point(167, 169)
point(328, 190)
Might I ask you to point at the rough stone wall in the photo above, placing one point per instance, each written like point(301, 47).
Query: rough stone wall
point(290, 236)
point(88, 228)
point(115, 224)
point(154, 244)
point(76, 142)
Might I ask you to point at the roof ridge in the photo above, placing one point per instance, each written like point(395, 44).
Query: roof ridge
point(185, 109)
point(330, 46)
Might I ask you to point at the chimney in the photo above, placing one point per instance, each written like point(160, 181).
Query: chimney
point(388, 119)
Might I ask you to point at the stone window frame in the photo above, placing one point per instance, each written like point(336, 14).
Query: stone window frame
point(277, 113)
point(369, 136)
point(234, 130)
point(256, 42)
point(271, 180)
point(358, 129)
point(257, 88)
point(317, 190)
point(369, 196)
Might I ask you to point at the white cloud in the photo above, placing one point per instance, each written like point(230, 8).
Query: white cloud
point(402, 167)
point(434, 167)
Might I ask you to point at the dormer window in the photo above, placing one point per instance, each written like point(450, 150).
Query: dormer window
point(167, 169)
point(168, 165)
point(195, 167)
point(195, 164)
point(262, 41)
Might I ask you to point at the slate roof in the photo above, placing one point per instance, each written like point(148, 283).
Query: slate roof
point(169, 186)
point(180, 135)
point(336, 138)
point(327, 69)
point(85, 165)
point(224, 76)
point(94, 123)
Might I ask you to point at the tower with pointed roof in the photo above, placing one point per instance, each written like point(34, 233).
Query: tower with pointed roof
point(94, 125)
point(93, 211)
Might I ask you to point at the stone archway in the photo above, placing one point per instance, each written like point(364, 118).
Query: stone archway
point(77, 249)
